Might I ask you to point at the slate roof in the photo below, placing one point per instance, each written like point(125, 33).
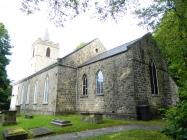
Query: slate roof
point(110, 53)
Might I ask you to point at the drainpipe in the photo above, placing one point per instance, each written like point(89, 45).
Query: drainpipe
point(76, 90)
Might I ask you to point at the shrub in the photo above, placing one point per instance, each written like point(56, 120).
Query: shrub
point(176, 118)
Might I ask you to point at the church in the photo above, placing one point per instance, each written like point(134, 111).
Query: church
point(93, 79)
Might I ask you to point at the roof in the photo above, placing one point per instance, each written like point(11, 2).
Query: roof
point(110, 53)
point(41, 71)
point(114, 51)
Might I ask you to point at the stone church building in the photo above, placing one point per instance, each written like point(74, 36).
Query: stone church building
point(93, 79)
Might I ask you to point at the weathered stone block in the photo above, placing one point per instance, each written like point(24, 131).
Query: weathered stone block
point(18, 110)
point(92, 117)
point(15, 134)
point(61, 123)
point(29, 116)
point(40, 131)
point(8, 117)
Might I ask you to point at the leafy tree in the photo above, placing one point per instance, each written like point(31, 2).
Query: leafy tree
point(5, 88)
point(63, 10)
point(81, 45)
point(170, 32)
point(152, 15)
point(173, 44)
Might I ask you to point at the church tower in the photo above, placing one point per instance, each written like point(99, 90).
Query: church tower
point(44, 53)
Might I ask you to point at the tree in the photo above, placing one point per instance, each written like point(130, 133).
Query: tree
point(172, 41)
point(5, 88)
point(152, 15)
point(171, 36)
point(82, 44)
point(63, 10)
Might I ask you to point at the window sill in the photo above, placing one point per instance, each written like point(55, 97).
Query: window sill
point(155, 95)
point(99, 94)
point(34, 103)
point(84, 96)
point(45, 103)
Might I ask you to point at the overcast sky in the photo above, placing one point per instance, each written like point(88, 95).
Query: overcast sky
point(24, 30)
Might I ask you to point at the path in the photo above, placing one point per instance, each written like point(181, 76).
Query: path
point(97, 132)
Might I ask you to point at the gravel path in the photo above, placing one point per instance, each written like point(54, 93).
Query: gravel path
point(97, 132)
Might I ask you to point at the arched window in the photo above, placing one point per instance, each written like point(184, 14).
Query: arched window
point(99, 83)
point(85, 85)
point(154, 80)
point(48, 52)
point(46, 91)
point(28, 94)
point(35, 92)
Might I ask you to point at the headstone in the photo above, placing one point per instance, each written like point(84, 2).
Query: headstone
point(18, 110)
point(1, 117)
point(15, 134)
point(61, 123)
point(40, 131)
point(92, 117)
point(28, 116)
point(8, 117)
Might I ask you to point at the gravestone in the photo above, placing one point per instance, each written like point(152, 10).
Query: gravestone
point(1, 117)
point(92, 117)
point(8, 117)
point(18, 110)
point(15, 134)
point(61, 123)
point(40, 131)
point(28, 116)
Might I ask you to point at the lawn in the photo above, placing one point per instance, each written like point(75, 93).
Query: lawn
point(44, 120)
point(132, 135)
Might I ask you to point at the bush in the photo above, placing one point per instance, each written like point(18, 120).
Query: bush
point(176, 118)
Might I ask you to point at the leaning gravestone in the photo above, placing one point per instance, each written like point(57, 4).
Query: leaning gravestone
point(15, 134)
point(40, 131)
point(8, 117)
point(61, 123)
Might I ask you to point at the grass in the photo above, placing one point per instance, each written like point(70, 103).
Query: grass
point(44, 121)
point(132, 135)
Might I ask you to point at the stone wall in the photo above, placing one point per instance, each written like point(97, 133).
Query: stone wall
point(127, 81)
point(118, 94)
point(40, 107)
point(144, 51)
point(83, 54)
point(66, 93)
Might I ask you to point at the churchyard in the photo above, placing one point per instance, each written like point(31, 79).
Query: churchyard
point(62, 124)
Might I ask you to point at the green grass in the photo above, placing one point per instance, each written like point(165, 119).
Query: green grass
point(44, 120)
point(132, 135)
